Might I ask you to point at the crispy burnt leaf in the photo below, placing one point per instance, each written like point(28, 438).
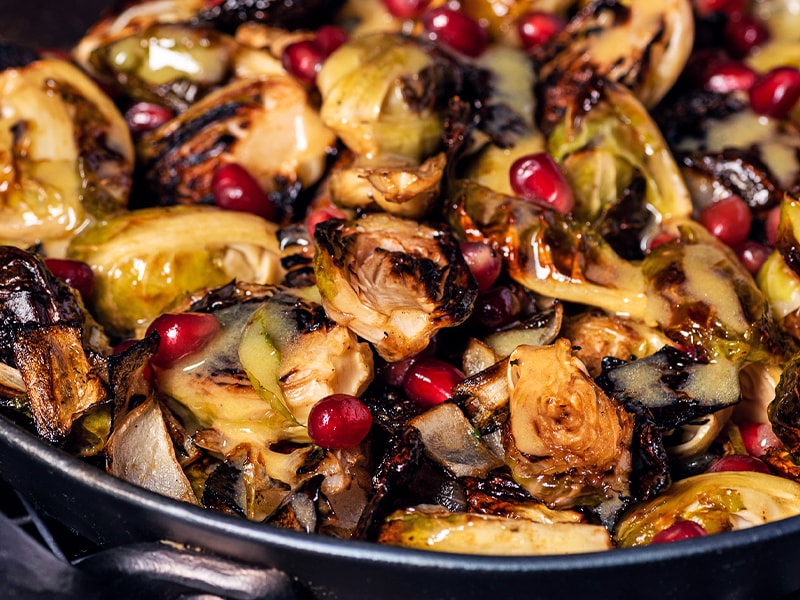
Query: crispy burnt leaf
point(41, 333)
point(784, 410)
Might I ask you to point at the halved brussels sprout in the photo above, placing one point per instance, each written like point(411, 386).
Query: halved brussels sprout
point(364, 86)
point(719, 502)
point(146, 260)
point(267, 125)
point(433, 528)
point(66, 156)
point(392, 281)
point(567, 443)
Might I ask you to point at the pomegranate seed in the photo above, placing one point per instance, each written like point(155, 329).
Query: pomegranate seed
point(704, 8)
point(771, 225)
point(319, 215)
point(303, 59)
point(729, 76)
point(728, 220)
point(680, 530)
point(181, 334)
point(775, 93)
point(738, 462)
point(456, 30)
point(329, 38)
point(484, 263)
point(538, 178)
point(758, 437)
point(752, 255)
point(75, 273)
point(536, 28)
point(497, 307)
point(743, 33)
point(339, 421)
point(406, 9)
point(430, 381)
point(146, 116)
point(235, 189)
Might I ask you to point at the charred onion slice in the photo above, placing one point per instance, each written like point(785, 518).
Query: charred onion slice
point(392, 281)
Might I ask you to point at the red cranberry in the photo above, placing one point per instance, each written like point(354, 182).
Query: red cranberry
point(430, 381)
point(536, 28)
point(758, 437)
point(339, 421)
point(538, 178)
point(319, 215)
point(738, 462)
point(329, 38)
point(729, 76)
point(775, 93)
point(752, 255)
point(704, 8)
point(75, 273)
point(728, 220)
point(181, 334)
point(456, 30)
point(497, 307)
point(235, 189)
point(303, 59)
point(680, 530)
point(146, 116)
point(744, 33)
point(406, 9)
point(771, 224)
point(484, 263)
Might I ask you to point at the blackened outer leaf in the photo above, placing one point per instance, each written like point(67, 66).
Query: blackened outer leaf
point(31, 295)
point(287, 14)
point(784, 410)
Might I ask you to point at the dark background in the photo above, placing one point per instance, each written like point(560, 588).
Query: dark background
point(48, 23)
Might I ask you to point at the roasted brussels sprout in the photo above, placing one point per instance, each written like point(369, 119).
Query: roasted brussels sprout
point(66, 156)
point(232, 125)
point(434, 528)
point(392, 281)
point(148, 259)
point(718, 502)
point(567, 443)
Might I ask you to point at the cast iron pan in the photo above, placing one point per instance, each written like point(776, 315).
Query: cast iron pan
point(755, 563)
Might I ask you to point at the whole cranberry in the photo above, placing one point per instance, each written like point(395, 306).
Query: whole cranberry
point(339, 421)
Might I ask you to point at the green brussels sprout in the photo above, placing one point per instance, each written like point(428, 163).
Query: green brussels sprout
point(362, 85)
point(146, 260)
point(66, 156)
point(724, 501)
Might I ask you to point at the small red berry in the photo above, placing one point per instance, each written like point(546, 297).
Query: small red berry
point(181, 334)
point(430, 381)
point(758, 437)
point(771, 224)
point(680, 530)
point(303, 59)
point(456, 30)
point(329, 38)
point(775, 93)
point(235, 189)
point(738, 462)
point(743, 33)
point(146, 116)
point(536, 28)
point(728, 220)
point(75, 273)
point(483, 262)
point(729, 76)
point(339, 421)
point(752, 255)
point(538, 178)
point(406, 9)
point(319, 215)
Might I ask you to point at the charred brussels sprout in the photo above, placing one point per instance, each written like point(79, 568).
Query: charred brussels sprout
point(149, 259)
point(267, 125)
point(567, 443)
point(66, 156)
point(229, 14)
point(718, 502)
point(392, 281)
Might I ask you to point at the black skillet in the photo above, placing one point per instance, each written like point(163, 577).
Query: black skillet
point(763, 562)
